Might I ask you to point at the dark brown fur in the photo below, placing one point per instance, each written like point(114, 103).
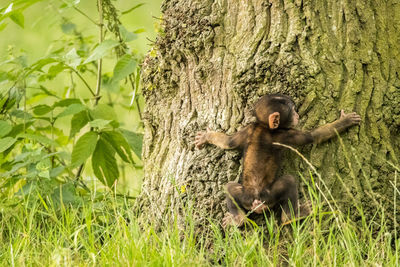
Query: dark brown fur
point(260, 188)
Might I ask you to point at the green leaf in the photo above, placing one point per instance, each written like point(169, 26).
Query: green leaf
point(66, 194)
point(38, 138)
point(5, 128)
point(72, 59)
point(66, 102)
point(44, 174)
point(21, 114)
point(6, 142)
point(19, 128)
point(8, 9)
point(3, 76)
point(133, 8)
point(135, 140)
point(44, 119)
point(104, 112)
point(3, 25)
point(18, 18)
point(126, 35)
point(109, 84)
point(71, 110)
point(55, 70)
point(3, 101)
point(54, 172)
point(104, 163)
point(125, 66)
point(68, 27)
point(99, 123)
point(120, 145)
point(72, 3)
point(38, 65)
point(101, 50)
point(47, 92)
point(78, 121)
point(40, 110)
point(7, 103)
point(140, 30)
point(36, 98)
point(44, 165)
point(83, 148)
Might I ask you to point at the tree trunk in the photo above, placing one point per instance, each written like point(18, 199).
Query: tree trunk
point(214, 59)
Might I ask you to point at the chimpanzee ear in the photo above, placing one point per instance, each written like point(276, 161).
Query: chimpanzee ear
point(273, 120)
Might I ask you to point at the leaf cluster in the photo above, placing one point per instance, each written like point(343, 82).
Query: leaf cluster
point(60, 111)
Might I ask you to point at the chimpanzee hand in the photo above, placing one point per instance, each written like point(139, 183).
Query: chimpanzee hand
point(351, 118)
point(201, 139)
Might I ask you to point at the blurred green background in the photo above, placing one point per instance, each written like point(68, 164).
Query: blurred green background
point(43, 24)
point(42, 33)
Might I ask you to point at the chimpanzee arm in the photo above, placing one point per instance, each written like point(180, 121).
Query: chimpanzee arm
point(319, 135)
point(327, 131)
point(222, 140)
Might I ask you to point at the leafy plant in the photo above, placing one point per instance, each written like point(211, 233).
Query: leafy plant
point(35, 111)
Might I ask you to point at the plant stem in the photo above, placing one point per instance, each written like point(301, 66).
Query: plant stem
point(80, 11)
point(100, 62)
point(24, 106)
point(79, 172)
point(134, 95)
point(99, 70)
point(83, 80)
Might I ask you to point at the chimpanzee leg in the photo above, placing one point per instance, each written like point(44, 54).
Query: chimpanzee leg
point(283, 192)
point(238, 199)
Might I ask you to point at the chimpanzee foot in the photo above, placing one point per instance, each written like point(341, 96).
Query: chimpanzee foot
point(304, 210)
point(233, 220)
point(258, 206)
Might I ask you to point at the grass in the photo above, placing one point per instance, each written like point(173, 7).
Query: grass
point(107, 232)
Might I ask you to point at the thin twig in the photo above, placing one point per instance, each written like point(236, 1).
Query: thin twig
point(24, 106)
point(79, 172)
point(151, 41)
point(125, 196)
point(81, 12)
point(83, 80)
point(100, 62)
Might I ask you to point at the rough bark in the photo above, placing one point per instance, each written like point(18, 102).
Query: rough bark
point(215, 58)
